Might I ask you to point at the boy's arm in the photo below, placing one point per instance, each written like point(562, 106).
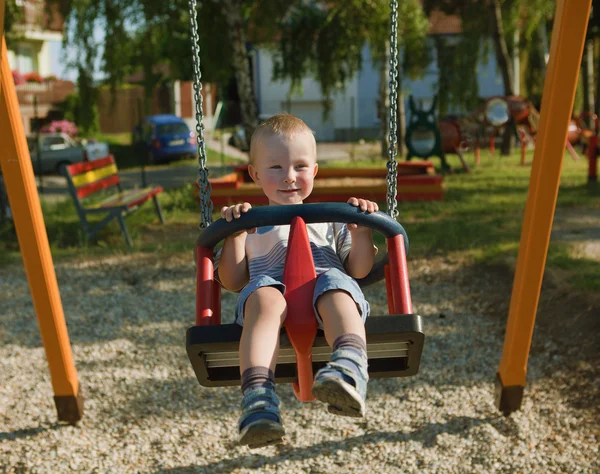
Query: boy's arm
point(361, 258)
point(233, 265)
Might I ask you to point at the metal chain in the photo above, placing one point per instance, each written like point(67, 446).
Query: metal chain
point(392, 182)
point(205, 188)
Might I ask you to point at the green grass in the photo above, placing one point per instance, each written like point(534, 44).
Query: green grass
point(479, 219)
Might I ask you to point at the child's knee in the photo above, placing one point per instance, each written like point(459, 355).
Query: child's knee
point(333, 298)
point(266, 302)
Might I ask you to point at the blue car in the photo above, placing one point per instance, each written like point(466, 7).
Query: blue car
point(165, 138)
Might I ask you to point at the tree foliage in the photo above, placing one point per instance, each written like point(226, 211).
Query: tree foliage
point(12, 15)
point(458, 72)
point(327, 42)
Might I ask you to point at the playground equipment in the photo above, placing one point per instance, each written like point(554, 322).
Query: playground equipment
point(570, 24)
point(394, 342)
point(417, 181)
point(488, 121)
point(424, 136)
point(24, 200)
point(590, 143)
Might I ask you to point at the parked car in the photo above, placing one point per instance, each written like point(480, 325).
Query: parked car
point(165, 138)
point(58, 149)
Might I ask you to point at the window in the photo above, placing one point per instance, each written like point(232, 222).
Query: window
point(55, 143)
point(172, 129)
point(25, 59)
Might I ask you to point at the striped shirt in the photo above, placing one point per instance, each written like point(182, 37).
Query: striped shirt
point(266, 249)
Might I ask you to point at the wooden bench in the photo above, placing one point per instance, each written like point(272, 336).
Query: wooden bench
point(91, 177)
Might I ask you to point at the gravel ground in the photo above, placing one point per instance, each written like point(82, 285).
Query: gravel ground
point(145, 411)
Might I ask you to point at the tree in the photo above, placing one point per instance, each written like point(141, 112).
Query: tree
point(12, 16)
point(143, 33)
point(496, 20)
point(326, 41)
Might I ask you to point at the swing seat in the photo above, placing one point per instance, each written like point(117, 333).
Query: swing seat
point(394, 346)
point(394, 341)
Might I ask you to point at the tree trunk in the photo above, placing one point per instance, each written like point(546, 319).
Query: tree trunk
point(588, 77)
point(241, 64)
point(384, 100)
point(504, 64)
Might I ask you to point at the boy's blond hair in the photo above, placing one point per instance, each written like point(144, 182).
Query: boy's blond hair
point(285, 125)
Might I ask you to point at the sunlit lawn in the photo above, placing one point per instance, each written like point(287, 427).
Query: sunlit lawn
point(480, 218)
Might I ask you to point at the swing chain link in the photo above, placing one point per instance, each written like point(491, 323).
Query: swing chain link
point(205, 188)
point(392, 204)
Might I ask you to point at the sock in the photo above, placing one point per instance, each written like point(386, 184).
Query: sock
point(351, 342)
point(258, 377)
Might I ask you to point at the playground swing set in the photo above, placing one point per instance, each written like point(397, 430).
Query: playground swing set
point(394, 341)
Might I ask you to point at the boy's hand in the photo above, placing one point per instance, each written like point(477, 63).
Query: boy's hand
point(365, 205)
point(235, 212)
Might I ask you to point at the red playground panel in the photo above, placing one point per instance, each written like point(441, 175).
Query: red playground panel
point(417, 181)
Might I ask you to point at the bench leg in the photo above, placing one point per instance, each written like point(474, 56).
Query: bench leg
point(158, 209)
point(125, 231)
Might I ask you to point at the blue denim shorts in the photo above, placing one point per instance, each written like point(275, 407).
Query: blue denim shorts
point(332, 279)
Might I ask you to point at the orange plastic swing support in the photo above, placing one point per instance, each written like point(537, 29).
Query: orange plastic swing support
point(566, 50)
point(33, 241)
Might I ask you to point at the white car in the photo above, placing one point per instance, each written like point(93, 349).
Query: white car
point(58, 149)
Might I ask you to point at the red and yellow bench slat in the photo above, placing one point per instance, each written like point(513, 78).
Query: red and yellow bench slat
point(90, 177)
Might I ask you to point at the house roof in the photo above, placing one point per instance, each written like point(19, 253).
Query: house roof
point(442, 24)
point(138, 76)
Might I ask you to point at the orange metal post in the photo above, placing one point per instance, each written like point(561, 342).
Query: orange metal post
point(1, 22)
point(568, 35)
point(33, 240)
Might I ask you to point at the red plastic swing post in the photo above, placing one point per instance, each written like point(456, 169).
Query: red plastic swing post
point(388, 289)
point(207, 296)
point(300, 323)
point(402, 302)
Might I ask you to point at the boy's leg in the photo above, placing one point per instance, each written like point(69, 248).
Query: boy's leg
point(340, 316)
point(260, 422)
point(264, 314)
point(343, 382)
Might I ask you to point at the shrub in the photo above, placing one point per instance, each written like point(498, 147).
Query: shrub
point(18, 78)
point(61, 126)
point(34, 77)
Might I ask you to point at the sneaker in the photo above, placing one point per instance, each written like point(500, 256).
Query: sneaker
point(260, 422)
point(343, 389)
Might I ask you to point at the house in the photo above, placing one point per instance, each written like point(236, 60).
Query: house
point(354, 113)
point(29, 58)
point(124, 112)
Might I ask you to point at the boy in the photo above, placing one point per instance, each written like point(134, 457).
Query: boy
point(283, 162)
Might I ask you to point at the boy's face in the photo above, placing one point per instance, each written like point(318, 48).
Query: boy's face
point(285, 167)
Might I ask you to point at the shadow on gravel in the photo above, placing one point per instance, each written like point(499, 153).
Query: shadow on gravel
point(28, 432)
point(425, 434)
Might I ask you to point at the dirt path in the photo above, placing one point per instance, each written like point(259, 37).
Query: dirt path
point(145, 412)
